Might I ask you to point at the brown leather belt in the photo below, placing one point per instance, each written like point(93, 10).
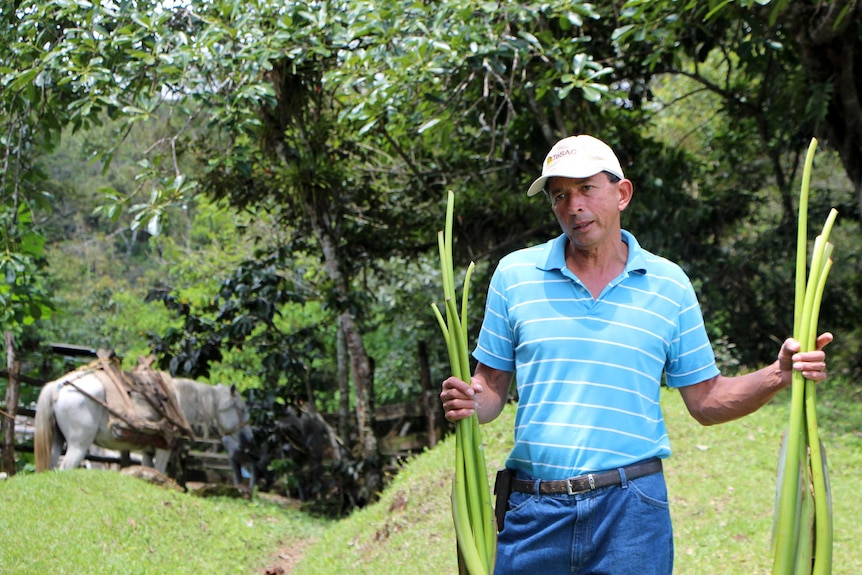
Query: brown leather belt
point(589, 482)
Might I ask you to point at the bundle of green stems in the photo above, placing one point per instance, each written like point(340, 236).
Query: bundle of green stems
point(802, 530)
point(472, 512)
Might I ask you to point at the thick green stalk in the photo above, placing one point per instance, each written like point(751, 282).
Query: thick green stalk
point(823, 547)
point(802, 236)
point(449, 283)
point(468, 552)
point(786, 530)
point(822, 509)
point(465, 298)
point(463, 531)
point(821, 265)
point(488, 520)
point(804, 548)
point(464, 428)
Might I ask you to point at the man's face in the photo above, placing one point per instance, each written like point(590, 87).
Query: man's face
point(588, 209)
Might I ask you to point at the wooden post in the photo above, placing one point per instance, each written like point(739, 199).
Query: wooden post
point(13, 366)
point(431, 396)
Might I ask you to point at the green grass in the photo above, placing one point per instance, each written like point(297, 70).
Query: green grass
point(86, 521)
point(721, 481)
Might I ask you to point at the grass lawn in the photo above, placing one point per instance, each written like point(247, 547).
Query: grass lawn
point(722, 484)
point(83, 522)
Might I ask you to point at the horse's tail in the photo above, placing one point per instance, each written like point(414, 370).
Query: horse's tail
point(43, 439)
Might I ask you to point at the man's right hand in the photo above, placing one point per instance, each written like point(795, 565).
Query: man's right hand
point(459, 399)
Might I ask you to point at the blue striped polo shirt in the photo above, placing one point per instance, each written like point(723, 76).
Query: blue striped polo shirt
point(589, 370)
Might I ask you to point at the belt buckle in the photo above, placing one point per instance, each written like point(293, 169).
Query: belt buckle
point(590, 479)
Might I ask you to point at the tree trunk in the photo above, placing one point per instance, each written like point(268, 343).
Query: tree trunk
point(828, 39)
point(360, 368)
point(344, 423)
point(431, 396)
point(309, 393)
point(13, 366)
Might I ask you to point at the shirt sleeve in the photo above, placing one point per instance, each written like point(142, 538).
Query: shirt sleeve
point(495, 347)
point(690, 358)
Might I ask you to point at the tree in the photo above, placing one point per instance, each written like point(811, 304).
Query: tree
point(348, 121)
point(784, 70)
point(779, 73)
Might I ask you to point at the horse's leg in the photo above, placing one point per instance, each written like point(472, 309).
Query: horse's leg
point(161, 460)
point(75, 454)
point(56, 450)
point(234, 455)
point(148, 459)
point(79, 418)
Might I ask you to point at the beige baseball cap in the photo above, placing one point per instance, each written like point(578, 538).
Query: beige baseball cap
point(577, 157)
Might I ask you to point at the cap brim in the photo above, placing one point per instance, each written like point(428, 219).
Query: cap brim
point(537, 186)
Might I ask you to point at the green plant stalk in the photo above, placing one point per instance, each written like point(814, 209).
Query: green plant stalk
point(802, 236)
point(471, 500)
point(823, 564)
point(810, 519)
point(808, 527)
point(468, 551)
point(465, 441)
point(486, 519)
point(821, 264)
point(823, 515)
point(805, 547)
point(785, 535)
point(480, 507)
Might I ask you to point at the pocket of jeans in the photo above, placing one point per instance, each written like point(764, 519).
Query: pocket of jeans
point(518, 501)
point(651, 489)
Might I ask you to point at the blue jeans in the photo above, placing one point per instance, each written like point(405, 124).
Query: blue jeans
point(618, 530)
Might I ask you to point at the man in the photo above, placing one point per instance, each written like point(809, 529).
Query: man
point(589, 323)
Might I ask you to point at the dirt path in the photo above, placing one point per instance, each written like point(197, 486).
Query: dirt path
point(283, 560)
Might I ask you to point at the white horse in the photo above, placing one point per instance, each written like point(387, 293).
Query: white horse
point(75, 414)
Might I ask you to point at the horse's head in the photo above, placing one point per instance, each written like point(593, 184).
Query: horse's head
point(232, 413)
point(237, 437)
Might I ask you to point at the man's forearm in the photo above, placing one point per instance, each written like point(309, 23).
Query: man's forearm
point(724, 399)
point(495, 391)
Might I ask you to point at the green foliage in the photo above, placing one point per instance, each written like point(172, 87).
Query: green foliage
point(332, 130)
point(23, 299)
point(259, 308)
point(730, 218)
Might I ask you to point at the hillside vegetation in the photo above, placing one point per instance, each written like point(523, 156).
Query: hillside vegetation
point(721, 479)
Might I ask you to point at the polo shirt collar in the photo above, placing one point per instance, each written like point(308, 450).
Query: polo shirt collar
point(554, 255)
